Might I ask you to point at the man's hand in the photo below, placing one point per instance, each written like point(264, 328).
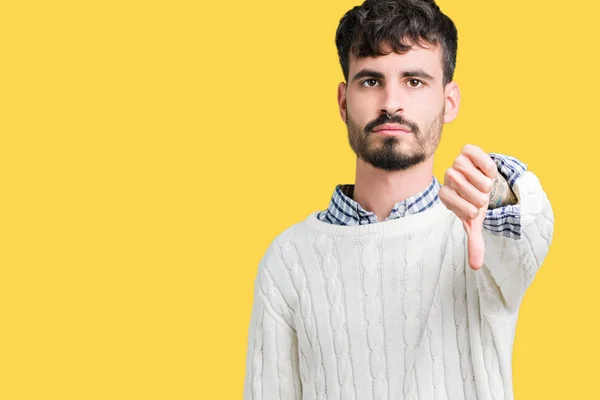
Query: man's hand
point(466, 192)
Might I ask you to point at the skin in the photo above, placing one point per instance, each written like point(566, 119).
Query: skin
point(392, 166)
point(501, 194)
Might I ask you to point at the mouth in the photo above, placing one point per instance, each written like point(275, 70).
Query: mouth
point(391, 130)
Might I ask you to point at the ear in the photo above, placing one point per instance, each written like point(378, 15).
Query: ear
point(341, 98)
point(452, 101)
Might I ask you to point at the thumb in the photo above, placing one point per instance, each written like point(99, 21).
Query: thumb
point(476, 245)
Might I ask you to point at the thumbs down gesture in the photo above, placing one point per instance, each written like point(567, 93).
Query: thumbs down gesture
point(466, 192)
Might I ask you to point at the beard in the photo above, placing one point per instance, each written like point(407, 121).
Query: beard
point(389, 152)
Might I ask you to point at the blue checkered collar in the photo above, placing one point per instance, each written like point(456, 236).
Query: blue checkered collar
point(343, 210)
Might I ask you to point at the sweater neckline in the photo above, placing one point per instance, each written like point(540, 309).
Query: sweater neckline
point(413, 222)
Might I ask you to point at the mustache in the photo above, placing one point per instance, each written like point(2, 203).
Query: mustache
point(398, 119)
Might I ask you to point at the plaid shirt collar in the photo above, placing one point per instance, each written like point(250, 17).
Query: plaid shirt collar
point(343, 210)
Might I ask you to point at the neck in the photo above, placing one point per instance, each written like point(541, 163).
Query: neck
point(377, 190)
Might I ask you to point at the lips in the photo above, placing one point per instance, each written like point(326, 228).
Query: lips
point(391, 128)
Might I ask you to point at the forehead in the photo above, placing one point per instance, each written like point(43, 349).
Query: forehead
point(427, 58)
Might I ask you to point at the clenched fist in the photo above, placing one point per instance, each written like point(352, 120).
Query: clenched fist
point(466, 192)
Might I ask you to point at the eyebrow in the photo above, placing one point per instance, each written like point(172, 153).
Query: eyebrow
point(417, 73)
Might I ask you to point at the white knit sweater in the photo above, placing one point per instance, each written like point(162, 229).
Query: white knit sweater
point(392, 310)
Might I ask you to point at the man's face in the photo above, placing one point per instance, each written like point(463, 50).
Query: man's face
point(409, 88)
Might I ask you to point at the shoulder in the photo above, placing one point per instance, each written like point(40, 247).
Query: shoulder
point(293, 235)
point(285, 250)
point(282, 271)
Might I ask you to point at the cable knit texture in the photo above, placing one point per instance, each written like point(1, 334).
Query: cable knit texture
point(392, 310)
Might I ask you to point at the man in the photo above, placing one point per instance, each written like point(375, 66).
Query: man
point(402, 288)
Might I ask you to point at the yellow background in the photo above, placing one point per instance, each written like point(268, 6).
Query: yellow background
point(151, 150)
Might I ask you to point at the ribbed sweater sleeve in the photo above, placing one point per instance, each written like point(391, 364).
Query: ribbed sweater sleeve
point(511, 264)
point(272, 367)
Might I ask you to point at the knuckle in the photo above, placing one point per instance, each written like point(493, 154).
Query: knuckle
point(472, 212)
point(454, 174)
point(488, 185)
point(442, 192)
point(483, 200)
point(459, 162)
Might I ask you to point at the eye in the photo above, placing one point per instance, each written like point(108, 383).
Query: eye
point(415, 83)
point(367, 81)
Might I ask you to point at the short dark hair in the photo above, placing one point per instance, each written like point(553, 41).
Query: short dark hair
point(363, 31)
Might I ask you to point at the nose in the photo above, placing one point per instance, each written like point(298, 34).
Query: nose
point(392, 102)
